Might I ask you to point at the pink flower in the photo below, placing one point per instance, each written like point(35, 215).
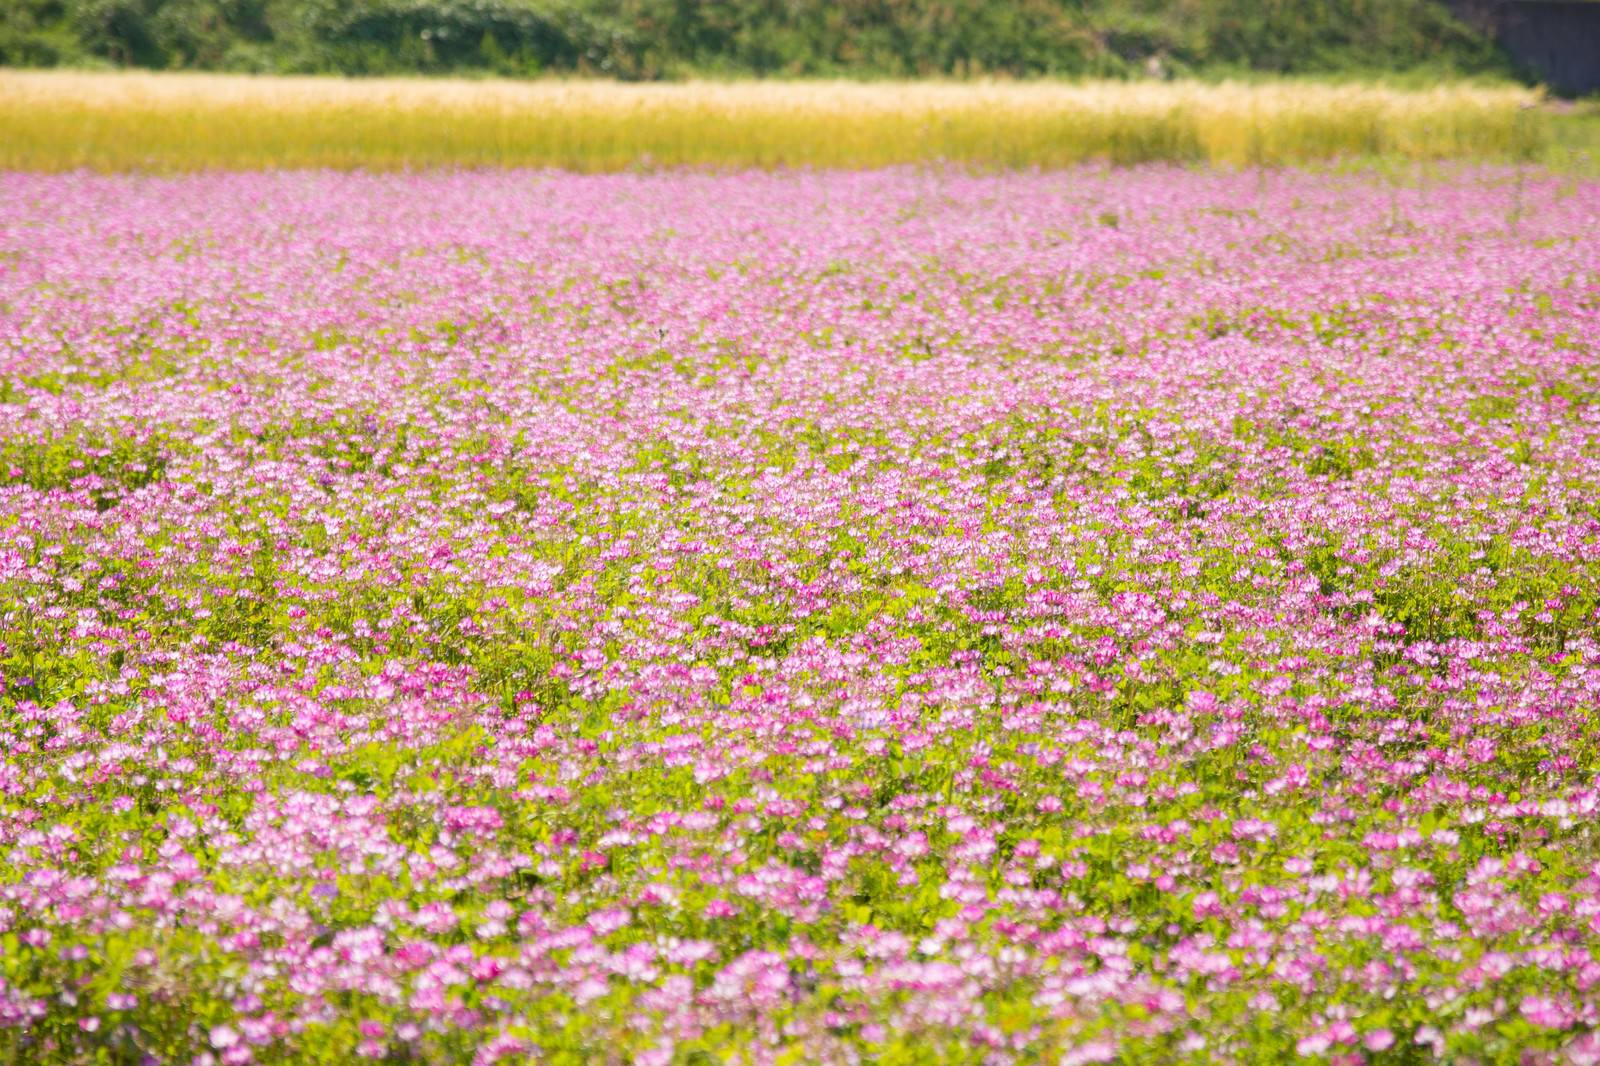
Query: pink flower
point(1547, 1012)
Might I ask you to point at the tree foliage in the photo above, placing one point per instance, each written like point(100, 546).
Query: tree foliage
point(666, 38)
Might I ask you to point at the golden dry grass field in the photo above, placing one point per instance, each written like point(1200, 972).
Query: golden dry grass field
point(168, 122)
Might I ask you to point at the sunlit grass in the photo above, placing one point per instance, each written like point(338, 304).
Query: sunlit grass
point(164, 122)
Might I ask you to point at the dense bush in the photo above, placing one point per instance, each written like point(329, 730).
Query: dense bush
point(656, 38)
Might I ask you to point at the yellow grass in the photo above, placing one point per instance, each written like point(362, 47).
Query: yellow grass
point(68, 120)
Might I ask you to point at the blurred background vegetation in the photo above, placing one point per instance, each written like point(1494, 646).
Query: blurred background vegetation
point(652, 39)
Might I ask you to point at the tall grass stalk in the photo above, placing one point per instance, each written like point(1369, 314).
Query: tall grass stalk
point(167, 122)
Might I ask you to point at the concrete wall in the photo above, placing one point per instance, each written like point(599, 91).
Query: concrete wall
point(1557, 41)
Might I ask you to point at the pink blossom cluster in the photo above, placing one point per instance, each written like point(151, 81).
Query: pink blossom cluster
point(1092, 616)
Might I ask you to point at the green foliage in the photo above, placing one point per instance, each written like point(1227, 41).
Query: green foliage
point(663, 38)
point(106, 464)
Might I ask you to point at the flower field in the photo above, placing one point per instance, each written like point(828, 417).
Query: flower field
point(887, 616)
